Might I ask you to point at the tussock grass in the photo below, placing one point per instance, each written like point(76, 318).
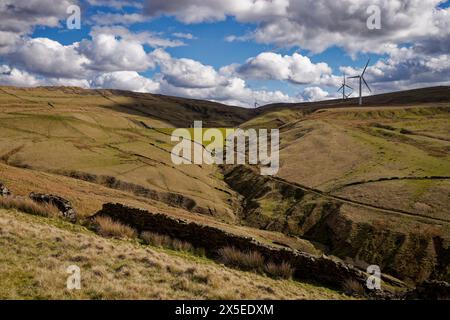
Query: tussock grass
point(353, 288)
point(29, 206)
point(243, 260)
point(114, 229)
point(164, 241)
point(280, 271)
point(254, 261)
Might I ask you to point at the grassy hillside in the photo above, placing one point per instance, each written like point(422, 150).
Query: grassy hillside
point(68, 130)
point(36, 252)
point(366, 184)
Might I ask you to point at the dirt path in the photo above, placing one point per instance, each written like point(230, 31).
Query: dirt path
point(356, 183)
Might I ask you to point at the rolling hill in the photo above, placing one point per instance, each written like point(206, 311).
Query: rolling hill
point(365, 185)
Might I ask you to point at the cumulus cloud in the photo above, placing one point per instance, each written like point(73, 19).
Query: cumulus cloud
point(49, 58)
point(14, 77)
point(109, 19)
point(106, 52)
point(315, 94)
point(297, 69)
point(318, 24)
point(125, 80)
point(186, 73)
point(117, 4)
point(145, 37)
point(20, 16)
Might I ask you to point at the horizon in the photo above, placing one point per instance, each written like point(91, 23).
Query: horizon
point(226, 52)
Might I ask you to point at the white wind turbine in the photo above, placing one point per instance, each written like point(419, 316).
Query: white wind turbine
point(343, 87)
point(361, 80)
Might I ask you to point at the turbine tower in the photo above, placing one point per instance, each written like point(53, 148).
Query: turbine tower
point(361, 80)
point(343, 87)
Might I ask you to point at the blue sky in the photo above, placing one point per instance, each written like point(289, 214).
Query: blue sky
point(236, 52)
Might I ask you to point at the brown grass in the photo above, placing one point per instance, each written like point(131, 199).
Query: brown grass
point(254, 261)
point(279, 271)
point(164, 241)
point(114, 229)
point(251, 260)
point(353, 288)
point(35, 254)
point(29, 206)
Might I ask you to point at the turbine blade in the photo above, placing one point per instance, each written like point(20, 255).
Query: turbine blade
point(348, 86)
point(342, 87)
point(366, 84)
point(355, 77)
point(367, 64)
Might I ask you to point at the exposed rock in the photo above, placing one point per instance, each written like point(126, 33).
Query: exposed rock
point(63, 205)
point(4, 191)
point(323, 269)
point(430, 290)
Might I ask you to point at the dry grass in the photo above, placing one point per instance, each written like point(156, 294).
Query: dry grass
point(29, 206)
point(36, 253)
point(164, 241)
point(279, 271)
point(353, 288)
point(114, 229)
point(254, 261)
point(243, 260)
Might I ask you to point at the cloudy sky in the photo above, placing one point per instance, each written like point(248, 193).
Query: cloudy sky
point(231, 51)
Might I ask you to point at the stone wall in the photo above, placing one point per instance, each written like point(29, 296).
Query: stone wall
point(322, 270)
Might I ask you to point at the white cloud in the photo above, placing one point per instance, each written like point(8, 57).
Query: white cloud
point(296, 68)
point(109, 19)
point(117, 4)
point(49, 58)
point(186, 73)
point(189, 78)
point(108, 53)
point(14, 77)
point(315, 94)
point(182, 35)
point(145, 37)
point(125, 80)
point(319, 24)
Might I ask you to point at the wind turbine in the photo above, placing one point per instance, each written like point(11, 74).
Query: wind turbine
point(256, 105)
point(361, 80)
point(344, 85)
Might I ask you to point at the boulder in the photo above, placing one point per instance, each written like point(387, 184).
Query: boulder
point(63, 205)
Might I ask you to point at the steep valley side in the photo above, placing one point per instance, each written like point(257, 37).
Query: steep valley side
point(408, 247)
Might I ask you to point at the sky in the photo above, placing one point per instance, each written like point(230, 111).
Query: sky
point(237, 52)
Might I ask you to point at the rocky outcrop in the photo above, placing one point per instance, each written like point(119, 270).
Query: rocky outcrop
point(323, 269)
point(63, 205)
point(4, 191)
point(430, 290)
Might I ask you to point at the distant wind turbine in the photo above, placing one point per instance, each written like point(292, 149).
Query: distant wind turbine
point(256, 104)
point(361, 80)
point(343, 87)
